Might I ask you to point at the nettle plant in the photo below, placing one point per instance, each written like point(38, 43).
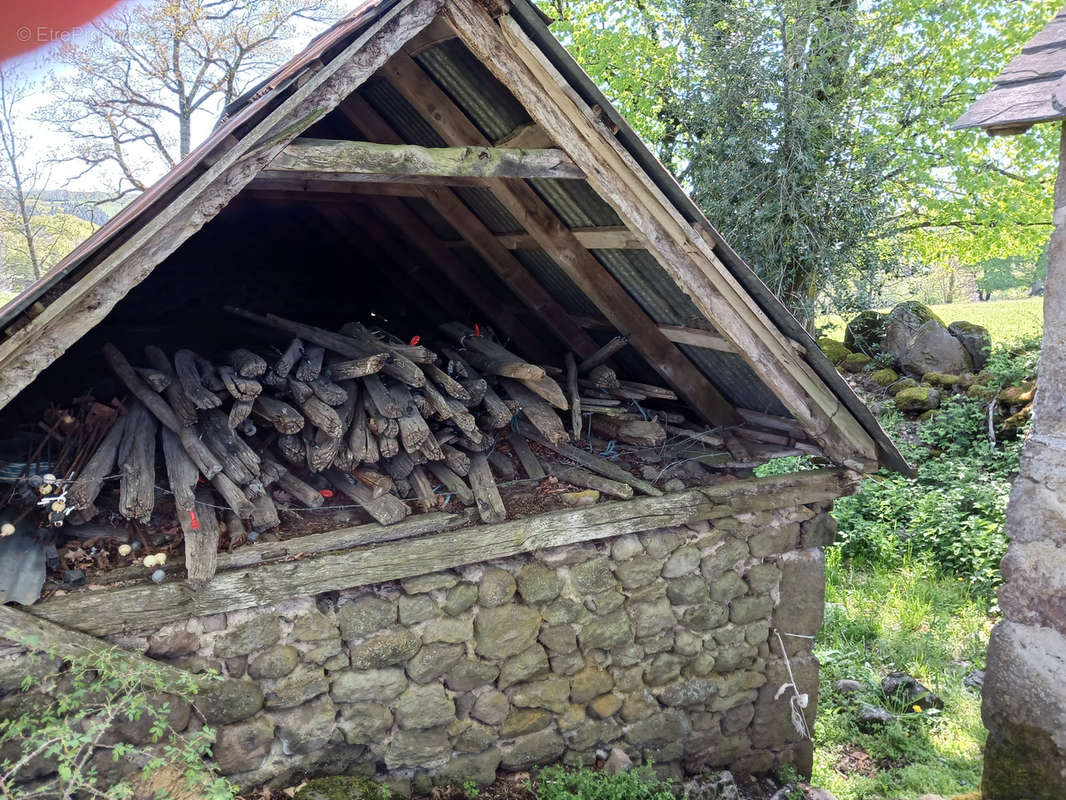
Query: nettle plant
point(66, 745)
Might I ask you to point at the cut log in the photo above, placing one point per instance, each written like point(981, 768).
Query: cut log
point(549, 390)
point(327, 391)
point(231, 493)
point(636, 432)
point(425, 498)
point(291, 448)
point(321, 450)
point(489, 503)
point(202, 533)
point(604, 377)
point(416, 353)
point(530, 463)
point(430, 449)
point(189, 377)
point(381, 398)
point(136, 462)
point(155, 378)
point(322, 416)
point(590, 480)
point(141, 390)
point(658, 392)
point(446, 382)
point(265, 514)
point(208, 374)
point(357, 367)
point(306, 494)
point(575, 396)
point(378, 482)
point(538, 412)
point(452, 482)
point(388, 446)
point(235, 530)
point(357, 433)
point(487, 356)
point(239, 412)
point(310, 366)
point(223, 443)
point(87, 484)
point(246, 363)
point(239, 388)
point(182, 473)
point(281, 415)
point(299, 391)
point(498, 412)
point(386, 509)
point(400, 465)
point(292, 355)
point(437, 402)
point(586, 459)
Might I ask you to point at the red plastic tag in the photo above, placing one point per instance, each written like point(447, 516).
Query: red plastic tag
point(327, 493)
point(194, 522)
point(477, 329)
point(415, 340)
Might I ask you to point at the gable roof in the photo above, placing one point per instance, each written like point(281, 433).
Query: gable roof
point(436, 72)
point(1029, 90)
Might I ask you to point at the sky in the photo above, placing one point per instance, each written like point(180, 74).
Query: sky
point(40, 64)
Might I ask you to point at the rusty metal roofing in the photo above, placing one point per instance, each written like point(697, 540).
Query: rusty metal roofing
point(1029, 90)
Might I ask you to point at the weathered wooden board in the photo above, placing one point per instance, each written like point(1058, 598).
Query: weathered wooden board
point(147, 607)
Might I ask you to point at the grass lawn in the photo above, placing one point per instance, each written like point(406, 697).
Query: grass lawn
point(1006, 320)
point(904, 618)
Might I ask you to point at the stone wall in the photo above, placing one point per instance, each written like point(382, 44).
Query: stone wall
point(660, 643)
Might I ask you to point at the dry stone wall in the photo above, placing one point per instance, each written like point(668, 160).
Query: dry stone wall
point(662, 644)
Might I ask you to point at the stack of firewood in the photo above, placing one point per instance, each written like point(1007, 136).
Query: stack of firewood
point(357, 412)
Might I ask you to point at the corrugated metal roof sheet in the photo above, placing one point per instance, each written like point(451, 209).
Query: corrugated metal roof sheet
point(576, 203)
point(551, 276)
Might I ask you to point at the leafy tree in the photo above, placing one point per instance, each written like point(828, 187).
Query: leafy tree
point(20, 183)
point(132, 94)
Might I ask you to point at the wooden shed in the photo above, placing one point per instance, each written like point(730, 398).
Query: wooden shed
point(443, 171)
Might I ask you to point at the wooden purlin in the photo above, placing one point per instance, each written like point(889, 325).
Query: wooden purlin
point(538, 219)
point(34, 347)
point(517, 63)
point(503, 263)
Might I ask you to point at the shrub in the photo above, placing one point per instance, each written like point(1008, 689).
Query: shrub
point(558, 783)
point(67, 738)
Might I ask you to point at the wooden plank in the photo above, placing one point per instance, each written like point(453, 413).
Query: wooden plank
point(452, 482)
point(84, 304)
point(613, 237)
point(547, 309)
point(538, 412)
point(589, 480)
point(527, 134)
point(575, 396)
point(530, 463)
point(201, 533)
point(559, 242)
point(147, 607)
point(698, 338)
point(517, 62)
point(377, 160)
point(489, 503)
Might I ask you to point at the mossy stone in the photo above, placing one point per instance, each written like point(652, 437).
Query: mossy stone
point(941, 380)
point(884, 377)
point(901, 384)
point(834, 350)
point(340, 787)
point(856, 362)
point(918, 399)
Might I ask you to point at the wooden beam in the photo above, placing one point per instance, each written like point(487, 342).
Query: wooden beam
point(528, 134)
point(355, 161)
point(340, 181)
point(614, 237)
point(698, 338)
point(687, 258)
point(511, 271)
point(559, 242)
point(148, 607)
point(278, 185)
point(38, 344)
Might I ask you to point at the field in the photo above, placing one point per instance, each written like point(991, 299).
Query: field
point(1006, 320)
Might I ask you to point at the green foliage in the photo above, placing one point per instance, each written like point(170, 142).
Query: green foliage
point(903, 616)
point(559, 783)
point(75, 724)
point(951, 514)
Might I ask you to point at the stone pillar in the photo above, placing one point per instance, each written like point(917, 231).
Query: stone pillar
point(1024, 705)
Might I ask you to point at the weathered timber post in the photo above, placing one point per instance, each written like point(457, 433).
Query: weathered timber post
point(1024, 704)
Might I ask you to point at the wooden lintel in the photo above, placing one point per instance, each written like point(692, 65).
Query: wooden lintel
point(148, 606)
point(614, 237)
point(340, 181)
point(356, 161)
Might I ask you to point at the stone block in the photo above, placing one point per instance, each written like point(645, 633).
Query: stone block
point(422, 707)
point(492, 708)
point(730, 554)
point(589, 683)
point(772, 725)
point(541, 747)
point(763, 578)
point(774, 539)
point(314, 626)
point(567, 555)
point(433, 661)
point(751, 608)
point(605, 632)
point(819, 531)
point(479, 768)
point(243, 746)
point(505, 631)
point(229, 700)
point(604, 706)
point(277, 662)
point(592, 733)
point(415, 608)
point(173, 645)
point(470, 674)
point(563, 610)
point(459, 599)
point(453, 630)
point(661, 542)
point(550, 693)
point(639, 570)
point(687, 692)
point(323, 651)
point(593, 576)
point(364, 615)
point(471, 736)
point(417, 748)
point(662, 669)
point(525, 720)
point(380, 685)
point(567, 663)
point(528, 665)
point(428, 583)
point(626, 547)
point(661, 728)
point(538, 583)
point(651, 618)
point(1036, 584)
point(705, 616)
point(639, 705)
point(296, 688)
point(683, 561)
point(496, 587)
point(255, 634)
point(802, 592)
point(727, 587)
point(687, 590)
point(559, 638)
point(306, 728)
point(363, 723)
point(385, 648)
